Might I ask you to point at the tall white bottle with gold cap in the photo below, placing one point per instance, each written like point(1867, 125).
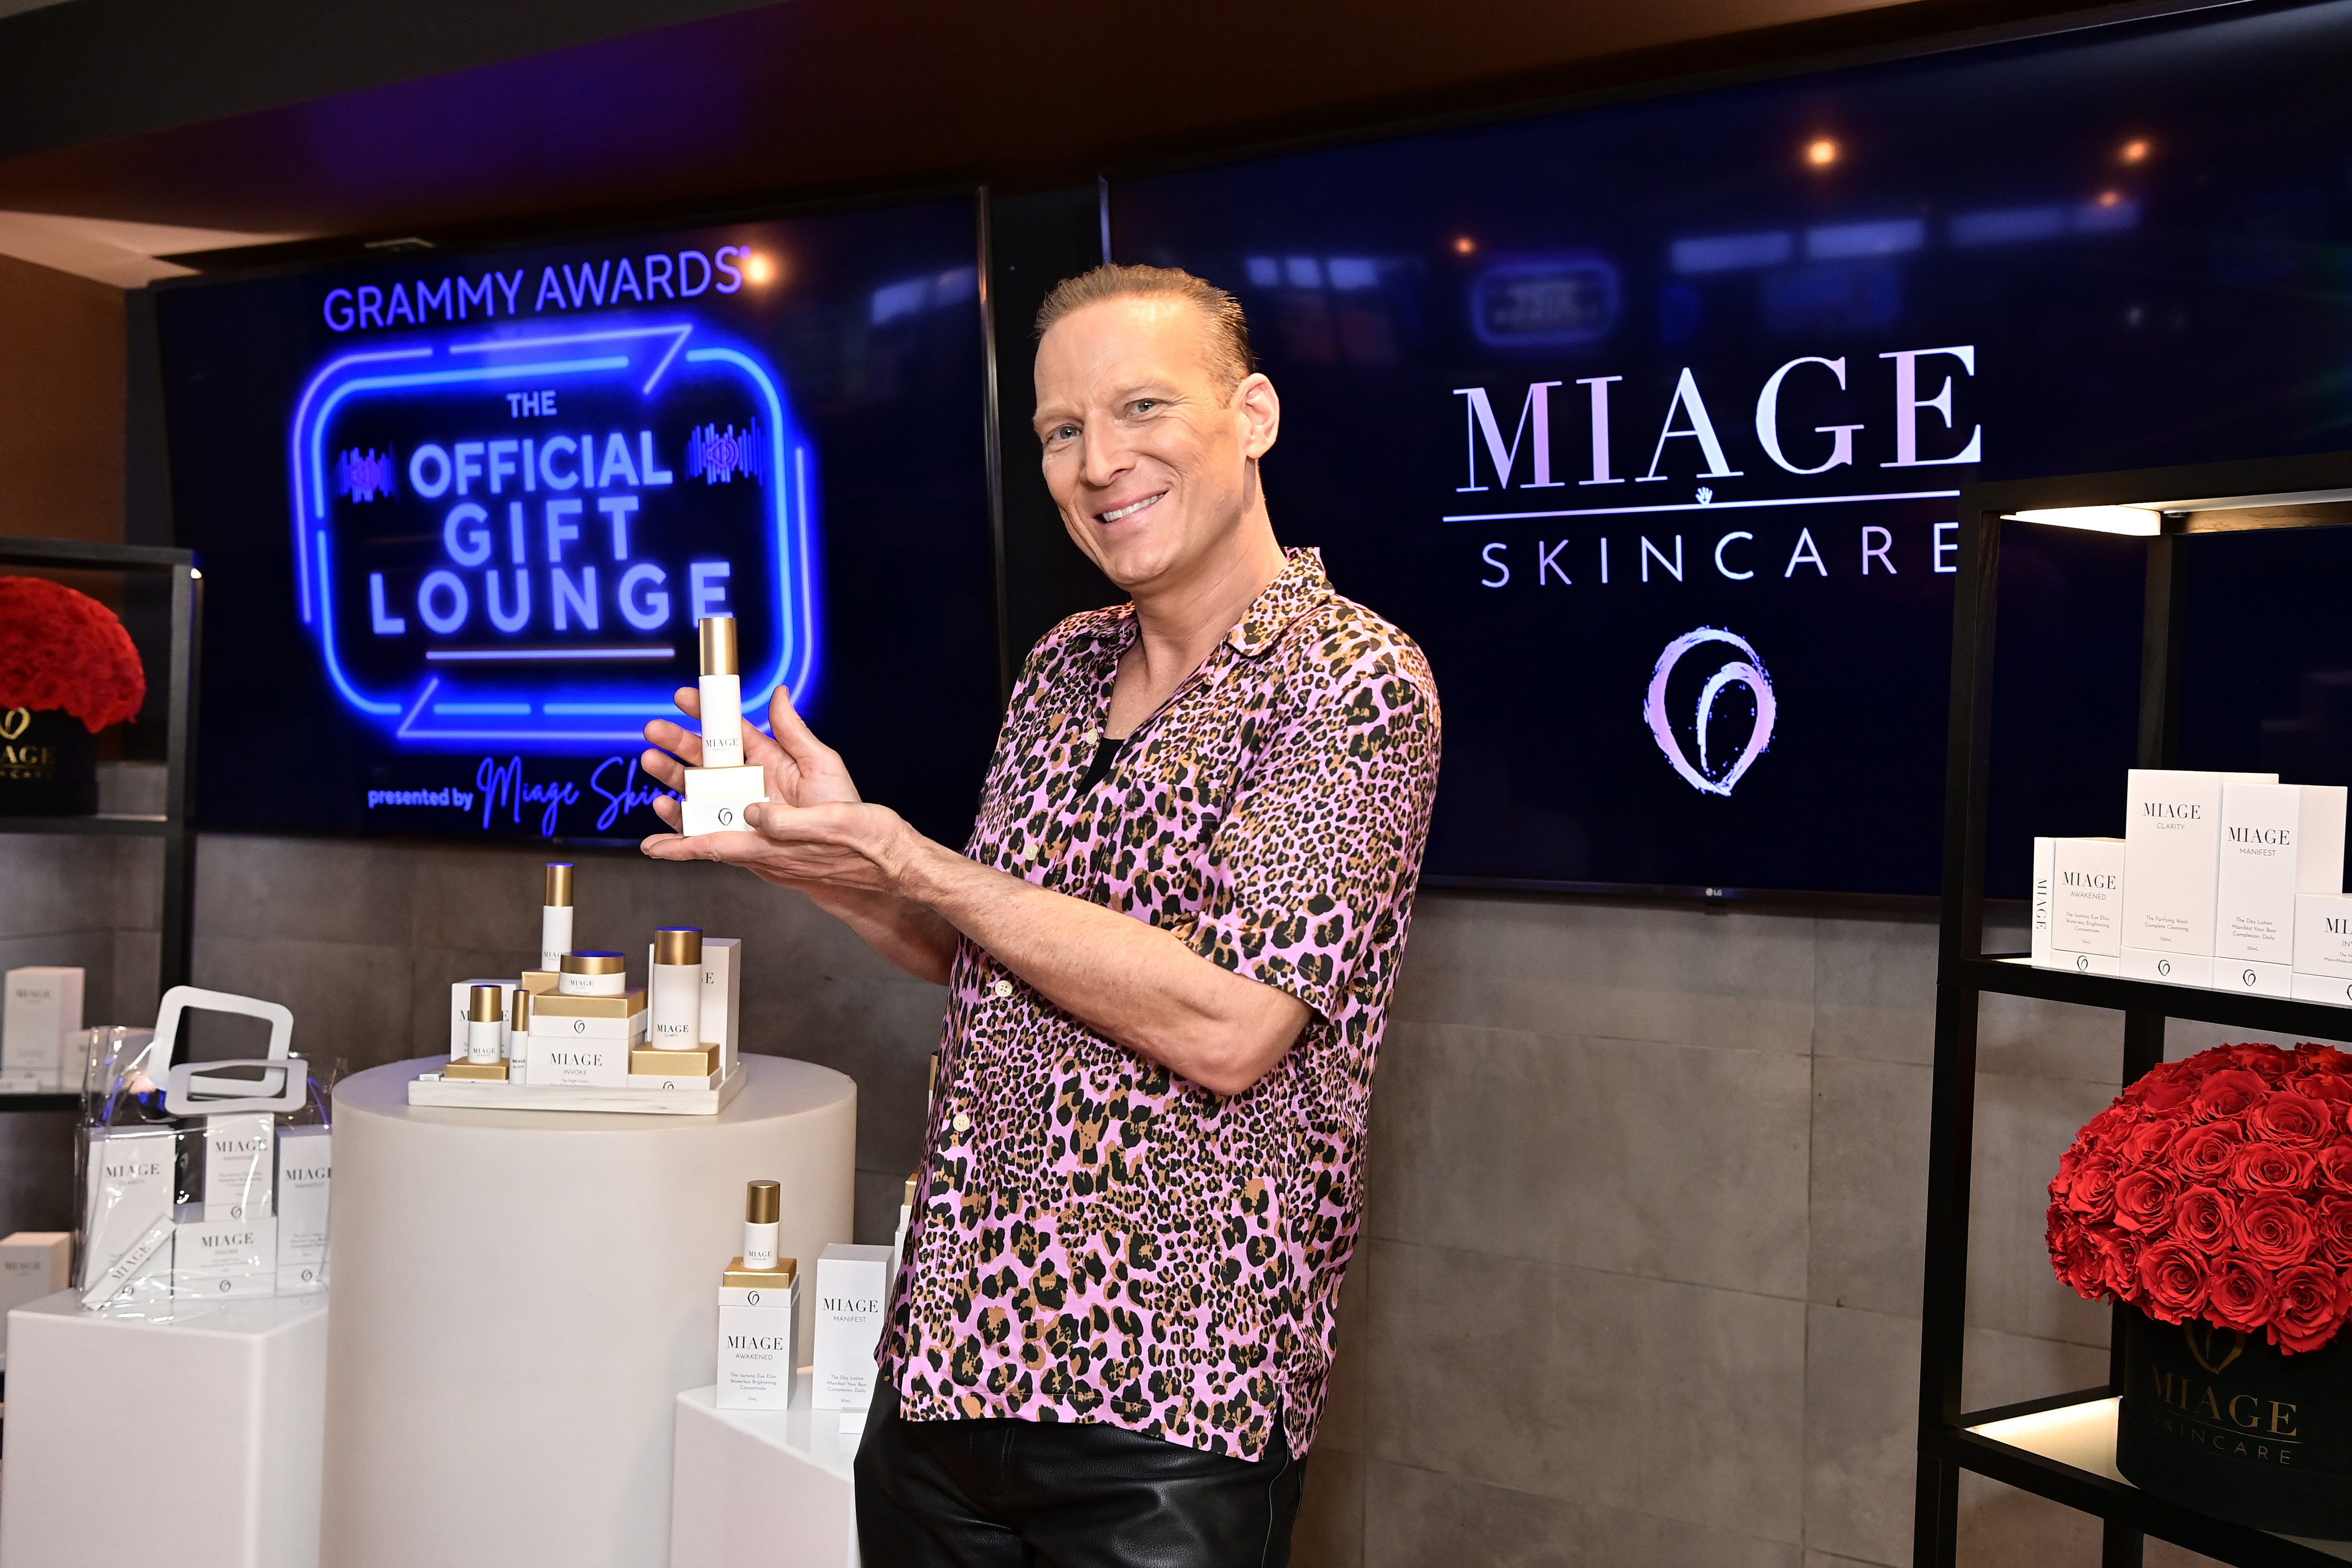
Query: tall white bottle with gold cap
point(555, 916)
point(723, 695)
point(718, 791)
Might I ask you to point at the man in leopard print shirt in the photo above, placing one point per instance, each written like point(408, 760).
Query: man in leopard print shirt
point(1169, 948)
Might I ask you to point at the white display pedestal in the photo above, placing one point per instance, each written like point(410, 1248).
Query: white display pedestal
point(761, 1489)
point(520, 1298)
point(192, 1441)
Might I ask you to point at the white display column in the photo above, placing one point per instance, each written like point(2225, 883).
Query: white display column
point(188, 1437)
point(520, 1298)
point(762, 1489)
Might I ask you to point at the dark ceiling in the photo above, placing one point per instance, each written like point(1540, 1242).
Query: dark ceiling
point(446, 119)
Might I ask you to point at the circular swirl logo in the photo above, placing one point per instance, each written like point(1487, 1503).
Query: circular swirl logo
point(1711, 776)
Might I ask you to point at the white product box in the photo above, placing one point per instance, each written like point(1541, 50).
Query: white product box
point(715, 797)
point(2086, 904)
point(224, 1260)
point(759, 1347)
point(852, 1285)
point(2322, 934)
point(460, 998)
point(306, 1168)
point(32, 1264)
point(2277, 841)
point(42, 1006)
point(237, 1167)
point(2045, 877)
point(2253, 979)
point(581, 1058)
point(133, 1174)
point(722, 997)
point(2172, 840)
point(2336, 990)
point(2169, 968)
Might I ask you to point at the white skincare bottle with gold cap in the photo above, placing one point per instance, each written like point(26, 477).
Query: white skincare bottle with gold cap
point(555, 916)
point(675, 989)
point(723, 695)
point(762, 1206)
point(483, 1016)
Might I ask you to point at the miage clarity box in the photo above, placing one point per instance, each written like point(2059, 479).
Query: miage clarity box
point(2172, 840)
point(306, 1169)
point(2278, 841)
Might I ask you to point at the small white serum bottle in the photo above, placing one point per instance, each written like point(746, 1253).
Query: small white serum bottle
point(518, 1038)
point(676, 987)
point(483, 1016)
point(555, 916)
point(762, 1203)
point(723, 695)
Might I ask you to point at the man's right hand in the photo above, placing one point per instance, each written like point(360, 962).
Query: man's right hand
point(801, 769)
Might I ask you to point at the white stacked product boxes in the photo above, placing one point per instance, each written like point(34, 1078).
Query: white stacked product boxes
point(2172, 847)
point(2278, 843)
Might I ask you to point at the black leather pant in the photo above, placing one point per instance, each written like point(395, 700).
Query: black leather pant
point(1012, 1494)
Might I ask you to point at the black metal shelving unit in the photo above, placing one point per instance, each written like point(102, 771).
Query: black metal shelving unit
point(184, 587)
point(2052, 1445)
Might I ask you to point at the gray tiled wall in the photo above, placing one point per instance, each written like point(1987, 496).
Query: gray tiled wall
point(1640, 1281)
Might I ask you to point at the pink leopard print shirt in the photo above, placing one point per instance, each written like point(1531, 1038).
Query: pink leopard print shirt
point(1098, 1239)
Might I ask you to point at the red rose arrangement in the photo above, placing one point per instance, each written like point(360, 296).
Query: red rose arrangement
point(2219, 1188)
point(63, 650)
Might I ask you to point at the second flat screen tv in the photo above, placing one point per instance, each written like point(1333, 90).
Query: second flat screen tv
point(1648, 421)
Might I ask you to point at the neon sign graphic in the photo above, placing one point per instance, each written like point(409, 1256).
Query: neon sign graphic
point(1707, 777)
point(497, 540)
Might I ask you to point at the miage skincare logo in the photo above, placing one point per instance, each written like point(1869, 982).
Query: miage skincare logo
point(1713, 775)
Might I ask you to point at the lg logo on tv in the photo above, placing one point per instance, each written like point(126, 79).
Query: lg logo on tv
point(1720, 766)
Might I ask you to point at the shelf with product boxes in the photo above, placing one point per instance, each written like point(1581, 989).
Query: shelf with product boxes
point(2230, 882)
point(2222, 903)
point(574, 1035)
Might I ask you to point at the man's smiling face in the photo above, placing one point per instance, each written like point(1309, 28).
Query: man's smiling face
point(1148, 456)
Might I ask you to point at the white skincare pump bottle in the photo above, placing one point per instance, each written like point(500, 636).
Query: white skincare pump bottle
point(723, 695)
point(762, 1203)
point(483, 1016)
point(676, 986)
point(555, 916)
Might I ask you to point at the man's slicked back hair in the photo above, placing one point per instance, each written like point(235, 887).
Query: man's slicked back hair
point(1230, 359)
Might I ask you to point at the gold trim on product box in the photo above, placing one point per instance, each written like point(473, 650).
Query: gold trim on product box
point(541, 981)
point(555, 1004)
point(655, 1061)
point(484, 1072)
point(780, 1278)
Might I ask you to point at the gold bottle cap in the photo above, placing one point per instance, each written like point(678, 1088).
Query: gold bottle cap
point(763, 1202)
point(559, 887)
point(718, 645)
point(593, 964)
point(678, 944)
point(521, 1022)
point(484, 1005)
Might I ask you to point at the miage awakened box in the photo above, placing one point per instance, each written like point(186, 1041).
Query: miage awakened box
point(2086, 904)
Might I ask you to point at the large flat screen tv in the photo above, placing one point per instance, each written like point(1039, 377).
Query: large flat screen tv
point(458, 512)
point(1649, 420)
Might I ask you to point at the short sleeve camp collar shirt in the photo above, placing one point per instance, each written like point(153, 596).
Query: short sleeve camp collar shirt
point(1095, 1238)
